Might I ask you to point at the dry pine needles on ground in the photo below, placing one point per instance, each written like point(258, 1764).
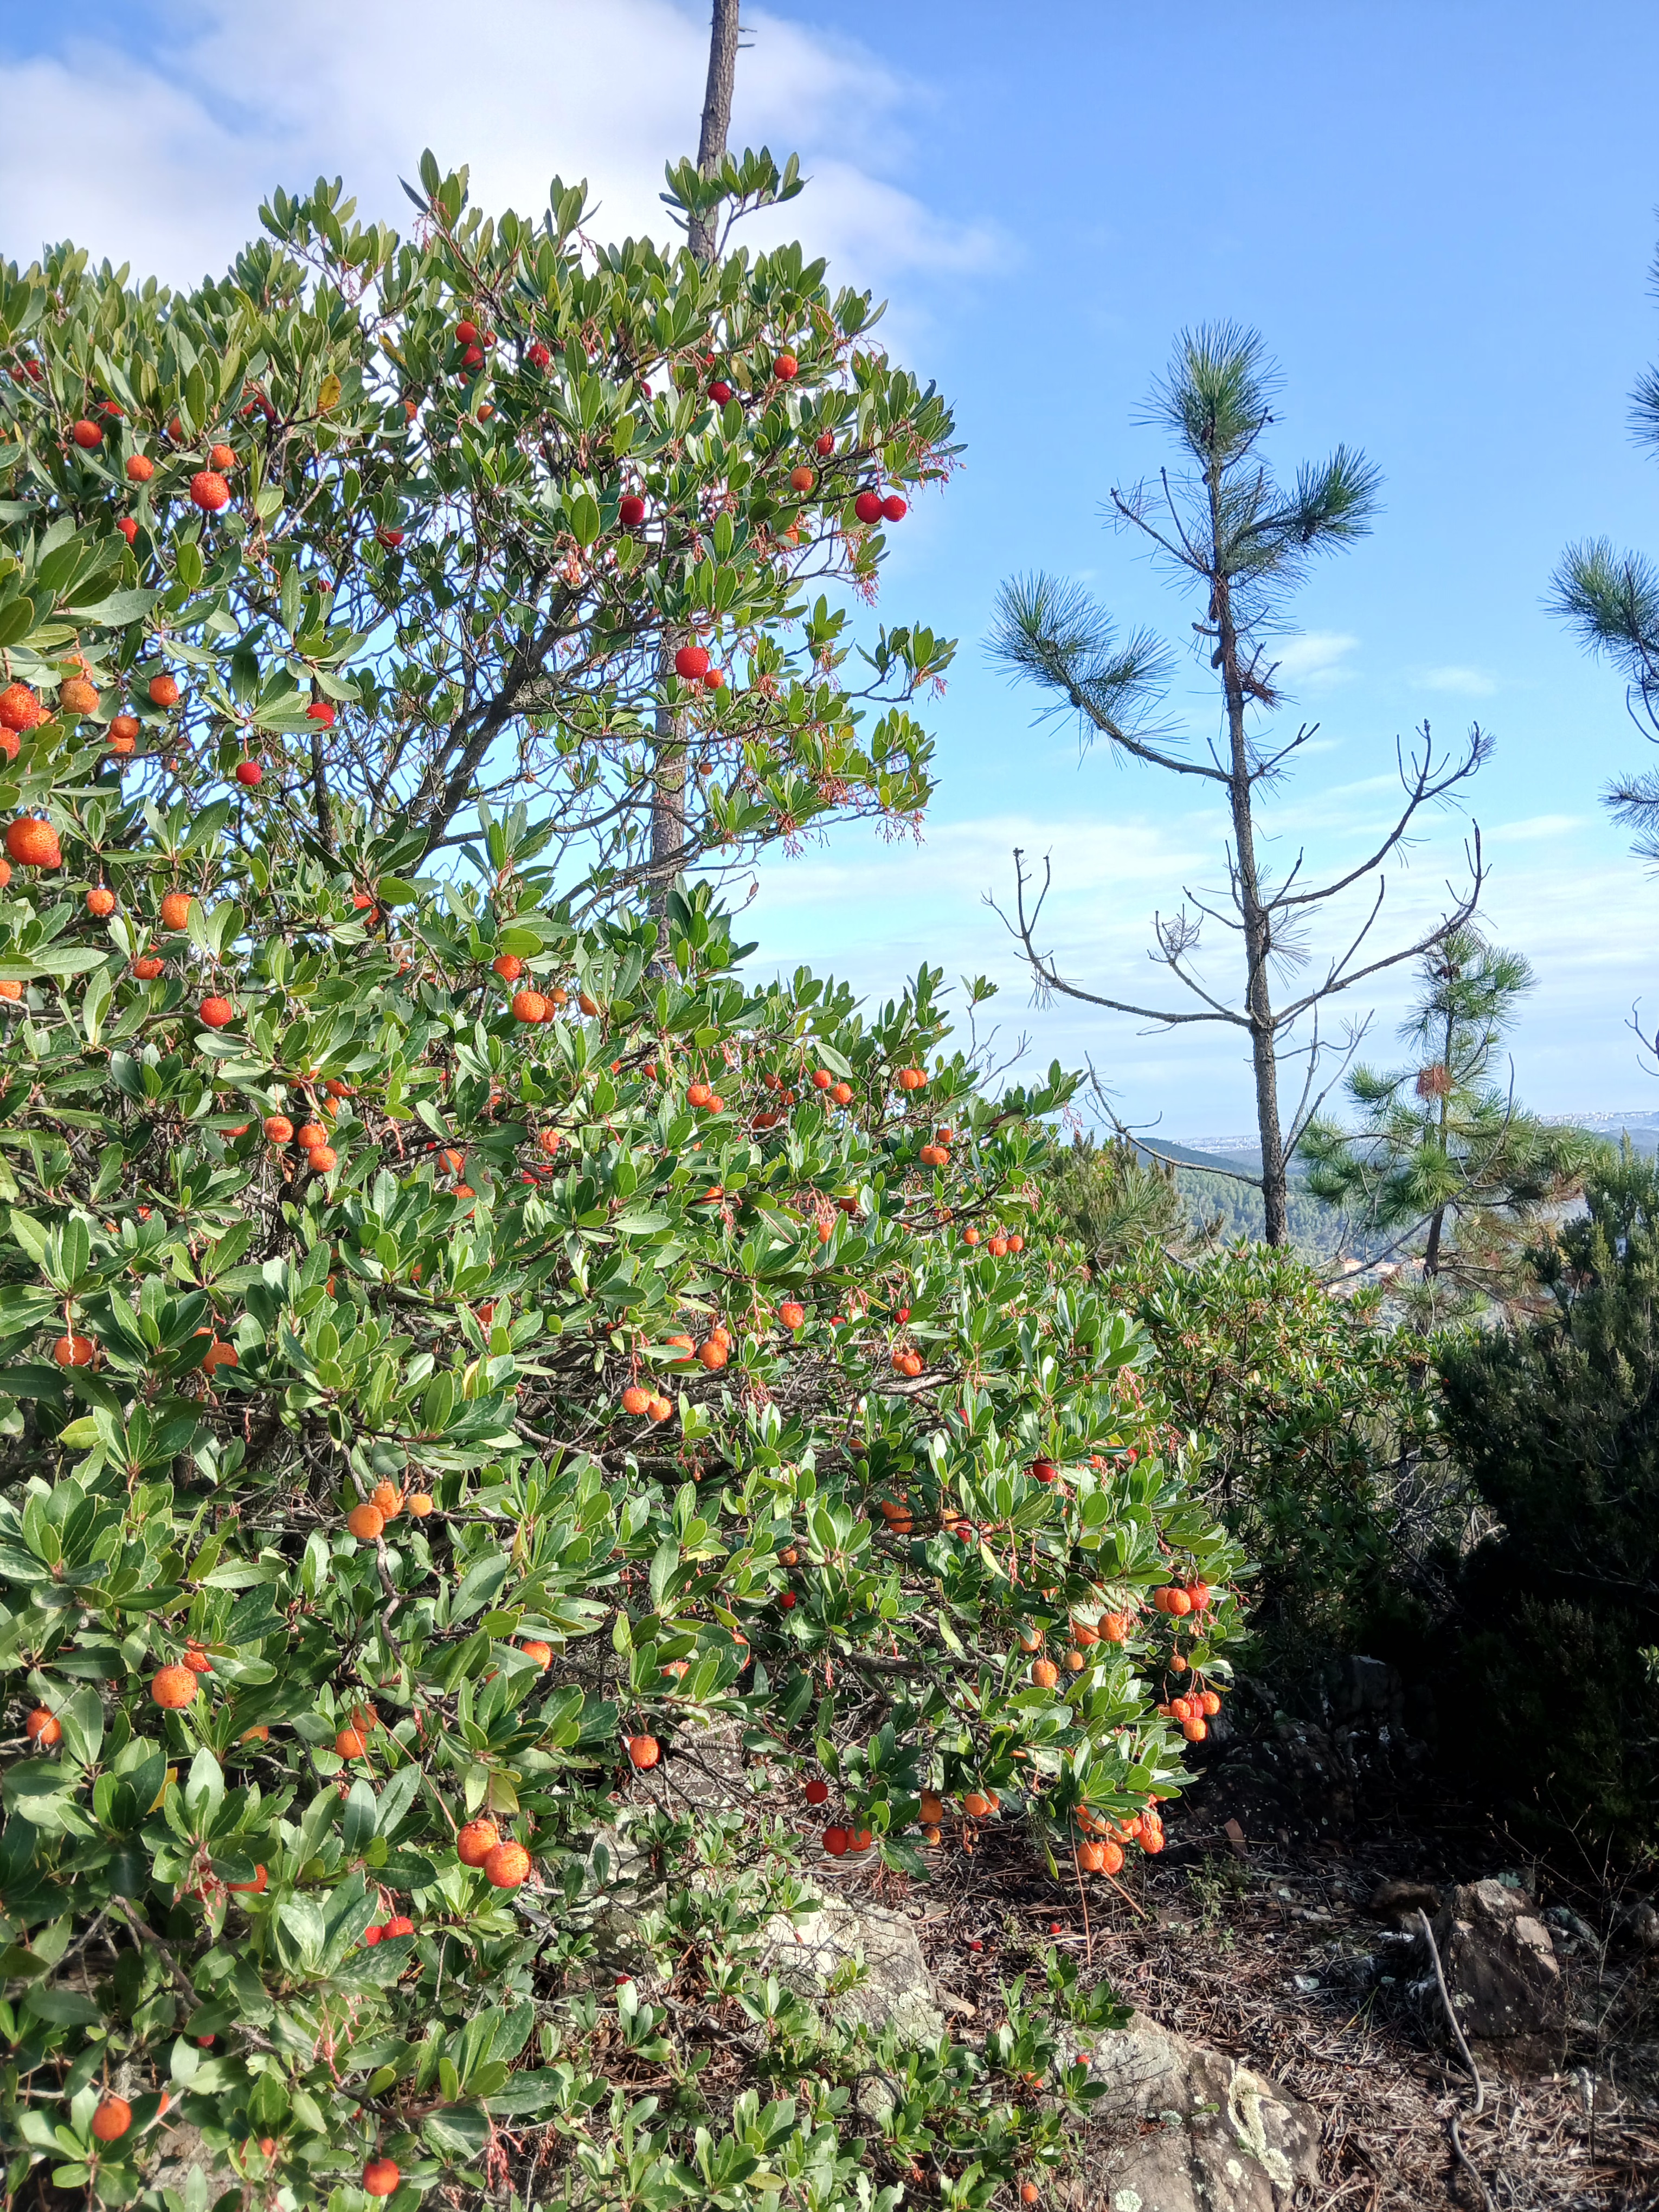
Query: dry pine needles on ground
point(1273, 1957)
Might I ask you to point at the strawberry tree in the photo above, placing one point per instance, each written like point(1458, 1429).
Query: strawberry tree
point(487, 512)
point(471, 1353)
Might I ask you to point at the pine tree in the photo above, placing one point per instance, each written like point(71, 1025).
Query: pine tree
point(1612, 600)
point(1244, 541)
point(1115, 1198)
point(1442, 1159)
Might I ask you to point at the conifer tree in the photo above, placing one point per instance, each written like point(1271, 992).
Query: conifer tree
point(1113, 1197)
point(1441, 1158)
point(1559, 1426)
point(1244, 541)
point(1611, 600)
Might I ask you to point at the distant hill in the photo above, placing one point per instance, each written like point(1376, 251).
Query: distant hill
point(1641, 1127)
point(1208, 1181)
point(1205, 1177)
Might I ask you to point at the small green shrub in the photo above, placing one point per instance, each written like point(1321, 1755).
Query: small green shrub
point(1559, 1426)
point(1320, 1442)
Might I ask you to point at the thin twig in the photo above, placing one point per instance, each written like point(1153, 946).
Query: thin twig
point(1451, 2014)
point(1458, 2151)
point(1088, 1934)
point(1127, 1900)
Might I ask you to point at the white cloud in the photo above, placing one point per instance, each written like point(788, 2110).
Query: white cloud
point(886, 909)
point(1314, 657)
point(1536, 826)
point(171, 151)
point(1463, 682)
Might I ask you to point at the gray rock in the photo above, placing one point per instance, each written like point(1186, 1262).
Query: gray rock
point(895, 1990)
point(1361, 1689)
point(189, 2167)
point(1211, 2136)
point(1499, 1961)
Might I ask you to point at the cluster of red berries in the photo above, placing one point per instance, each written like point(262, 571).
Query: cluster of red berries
point(21, 711)
point(838, 1841)
point(1102, 1851)
point(840, 1092)
point(693, 665)
point(389, 1930)
point(472, 341)
point(505, 1864)
point(785, 368)
point(1195, 1713)
point(1179, 1599)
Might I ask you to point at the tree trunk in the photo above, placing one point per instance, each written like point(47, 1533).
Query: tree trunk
point(1258, 999)
point(667, 787)
point(319, 789)
point(1431, 1249)
point(716, 114)
point(668, 760)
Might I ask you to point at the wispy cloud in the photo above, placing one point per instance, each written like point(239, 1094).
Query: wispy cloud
point(1314, 657)
point(1536, 826)
point(165, 166)
point(877, 912)
point(1463, 682)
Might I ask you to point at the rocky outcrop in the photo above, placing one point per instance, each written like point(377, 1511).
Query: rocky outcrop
point(1499, 1959)
point(1208, 2134)
point(894, 1988)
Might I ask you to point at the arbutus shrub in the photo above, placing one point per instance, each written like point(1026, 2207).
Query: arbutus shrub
point(473, 1680)
point(374, 1549)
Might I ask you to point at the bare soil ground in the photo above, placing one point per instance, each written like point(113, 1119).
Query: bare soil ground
point(1263, 1946)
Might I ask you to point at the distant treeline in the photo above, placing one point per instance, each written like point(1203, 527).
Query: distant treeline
point(1314, 1226)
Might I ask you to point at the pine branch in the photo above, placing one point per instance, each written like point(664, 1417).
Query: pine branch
point(1056, 636)
point(1611, 602)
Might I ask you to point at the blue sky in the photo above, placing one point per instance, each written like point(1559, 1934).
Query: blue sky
point(1440, 216)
